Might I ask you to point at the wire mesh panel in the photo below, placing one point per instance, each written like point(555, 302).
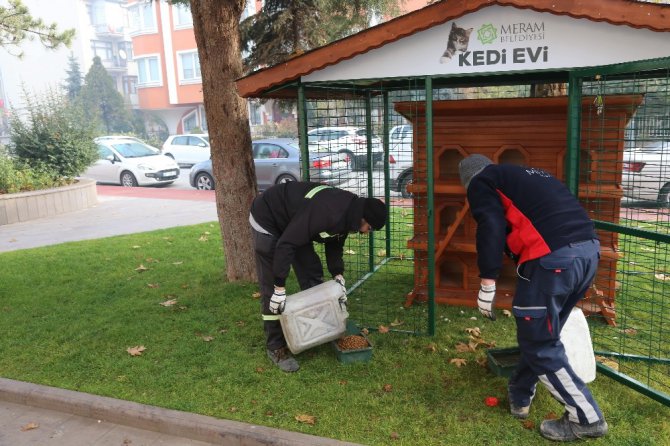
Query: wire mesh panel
point(375, 143)
point(631, 166)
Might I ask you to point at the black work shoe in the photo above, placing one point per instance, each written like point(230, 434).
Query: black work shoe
point(284, 359)
point(520, 412)
point(565, 430)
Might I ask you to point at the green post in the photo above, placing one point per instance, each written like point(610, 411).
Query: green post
point(431, 205)
point(368, 131)
point(387, 186)
point(574, 130)
point(302, 132)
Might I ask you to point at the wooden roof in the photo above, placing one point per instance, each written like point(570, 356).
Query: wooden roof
point(655, 17)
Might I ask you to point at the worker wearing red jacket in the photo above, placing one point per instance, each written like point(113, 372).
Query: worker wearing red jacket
point(533, 217)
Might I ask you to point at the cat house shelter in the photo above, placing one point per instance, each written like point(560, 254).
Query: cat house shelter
point(578, 89)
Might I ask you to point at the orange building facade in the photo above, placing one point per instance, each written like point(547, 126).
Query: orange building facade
point(169, 82)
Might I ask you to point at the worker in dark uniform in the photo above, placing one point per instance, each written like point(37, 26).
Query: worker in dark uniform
point(533, 217)
point(286, 219)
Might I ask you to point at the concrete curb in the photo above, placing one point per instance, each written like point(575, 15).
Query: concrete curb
point(26, 206)
point(141, 416)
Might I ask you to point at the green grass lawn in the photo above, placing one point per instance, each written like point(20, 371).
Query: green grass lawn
point(68, 313)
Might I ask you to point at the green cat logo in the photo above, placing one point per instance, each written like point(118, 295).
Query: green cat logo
point(487, 34)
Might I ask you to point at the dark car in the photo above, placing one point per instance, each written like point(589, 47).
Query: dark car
point(278, 161)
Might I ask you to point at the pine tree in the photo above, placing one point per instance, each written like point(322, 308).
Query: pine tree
point(73, 82)
point(102, 100)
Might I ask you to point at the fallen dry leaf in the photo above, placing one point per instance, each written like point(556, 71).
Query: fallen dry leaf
point(394, 436)
point(551, 416)
point(141, 268)
point(135, 351)
point(365, 331)
point(387, 388)
point(350, 252)
point(153, 285)
point(260, 369)
point(169, 302)
point(307, 419)
point(661, 276)
point(463, 348)
point(528, 424)
point(203, 238)
point(240, 323)
point(482, 361)
point(381, 253)
point(152, 260)
point(30, 426)
point(474, 331)
point(608, 362)
point(207, 338)
point(431, 347)
point(177, 263)
point(136, 246)
point(256, 295)
point(458, 362)
point(630, 331)
point(396, 323)
point(507, 313)
point(382, 329)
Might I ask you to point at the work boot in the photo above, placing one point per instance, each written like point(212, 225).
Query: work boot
point(284, 359)
point(520, 412)
point(565, 430)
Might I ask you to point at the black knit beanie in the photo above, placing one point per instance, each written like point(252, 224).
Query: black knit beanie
point(374, 212)
point(471, 166)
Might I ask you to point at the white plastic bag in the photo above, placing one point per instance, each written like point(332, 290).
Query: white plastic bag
point(576, 339)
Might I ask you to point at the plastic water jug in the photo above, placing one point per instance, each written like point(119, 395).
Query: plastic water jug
point(576, 339)
point(313, 317)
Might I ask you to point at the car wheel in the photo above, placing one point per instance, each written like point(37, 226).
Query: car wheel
point(285, 178)
point(405, 181)
point(204, 181)
point(352, 159)
point(128, 179)
point(664, 196)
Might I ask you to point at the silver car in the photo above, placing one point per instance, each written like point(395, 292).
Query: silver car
point(278, 161)
point(646, 173)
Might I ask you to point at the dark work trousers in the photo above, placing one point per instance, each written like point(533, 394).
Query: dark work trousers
point(547, 290)
point(307, 267)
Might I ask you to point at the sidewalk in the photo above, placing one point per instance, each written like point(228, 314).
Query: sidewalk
point(68, 418)
point(119, 211)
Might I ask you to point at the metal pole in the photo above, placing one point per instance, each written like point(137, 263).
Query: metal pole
point(387, 188)
point(574, 129)
point(368, 131)
point(302, 132)
point(431, 205)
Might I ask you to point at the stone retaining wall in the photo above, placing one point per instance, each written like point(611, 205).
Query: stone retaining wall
point(24, 206)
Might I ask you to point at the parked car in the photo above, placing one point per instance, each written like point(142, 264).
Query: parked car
point(401, 159)
point(646, 173)
point(351, 141)
point(278, 161)
point(130, 162)
point(187, 149)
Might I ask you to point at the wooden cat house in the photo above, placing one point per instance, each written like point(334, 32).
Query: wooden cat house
point(526, 131)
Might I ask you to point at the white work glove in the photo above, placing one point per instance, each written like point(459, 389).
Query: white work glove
point(340, 280)
point(486, 300)
point(278, 300)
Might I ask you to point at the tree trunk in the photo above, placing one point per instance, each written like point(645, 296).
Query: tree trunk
point(216, 27)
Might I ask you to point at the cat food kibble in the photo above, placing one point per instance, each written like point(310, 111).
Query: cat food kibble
point(352, 342)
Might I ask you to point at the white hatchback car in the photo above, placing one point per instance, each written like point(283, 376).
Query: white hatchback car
point(130, 162)
point(187, 149)
point(351, 141)
point(646, 173)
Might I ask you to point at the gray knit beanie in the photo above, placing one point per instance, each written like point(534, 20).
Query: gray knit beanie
point(471, 166)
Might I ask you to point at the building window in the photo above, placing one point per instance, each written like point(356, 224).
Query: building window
point(249, 9)
point(203, 119)
point(181, 14)
point(129, 85)
point(189, 67)
point(104, 50)
point(148, 71)
point(255, 113)
point(190, 121)
point(142, 17)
